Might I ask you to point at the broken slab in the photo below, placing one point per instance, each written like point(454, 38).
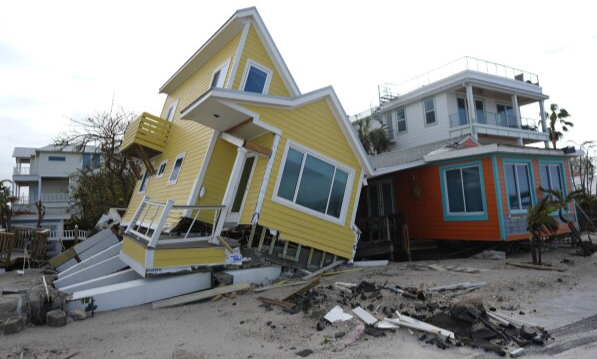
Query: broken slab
point(109, 252)
point(97, 270)
point(13, 325)
point(114, 278)
point(337, 314)
point(261, 275)
point(139, 291)
point(195, 297)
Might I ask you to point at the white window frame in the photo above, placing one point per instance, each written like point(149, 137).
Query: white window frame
point(268, 71)
point(398, 132)
point(141, 189)
point(163, 163)
point(171, 112)
point(465, 213)
point(425, 112)
point(223, 69)
point(306, 151)
point(173, 181)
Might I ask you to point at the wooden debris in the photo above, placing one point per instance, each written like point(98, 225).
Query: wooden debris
point(344, 271)
point(279, 303)
point(465, 285)
point(323, 270)
point(514, 321)
point(197, 296)
point(534, 266)
point(408, 322)
point(216, 298)
point(303, 290)
point(273, 286)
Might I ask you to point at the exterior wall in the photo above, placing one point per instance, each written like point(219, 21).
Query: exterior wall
point(47, 168)
point(425, 215)
point(186, 137)
point(255, 50)
point(315, 127)
point(54, 185)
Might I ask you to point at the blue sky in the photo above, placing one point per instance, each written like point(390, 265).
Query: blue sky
point(65, 59)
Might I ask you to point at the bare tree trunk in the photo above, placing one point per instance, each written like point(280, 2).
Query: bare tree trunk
point(533, 252)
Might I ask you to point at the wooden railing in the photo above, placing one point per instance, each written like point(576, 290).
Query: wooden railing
point(148, 131)
point(380, 235)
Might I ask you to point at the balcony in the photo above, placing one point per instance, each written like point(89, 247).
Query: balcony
point(146, 137)
point(45, 198)
point(497, 124)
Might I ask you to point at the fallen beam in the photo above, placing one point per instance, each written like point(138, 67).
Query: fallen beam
point(408, 322)
point(196, 297)
point(343, 271)
point(465, 285)
point(302, 290)
point(534, 266)
point(274, 286)
point(322, 270)
point(279, 303)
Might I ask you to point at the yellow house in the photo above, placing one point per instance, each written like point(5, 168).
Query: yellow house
point(237, 145)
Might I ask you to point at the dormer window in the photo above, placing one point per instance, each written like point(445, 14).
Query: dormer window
point(219, 75)
point(256, 78)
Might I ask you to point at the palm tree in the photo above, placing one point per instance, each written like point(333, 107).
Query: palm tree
point(373, 140)
point(558, 198)
point(538, 221)
point(557, 115)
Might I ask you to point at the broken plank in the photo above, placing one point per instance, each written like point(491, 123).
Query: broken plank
point(465, 285)
point(197, 296)
point(344, 271)
point(323, 270)
point(279, 303)
point(273, 286)
point(437, 268)
point(408, 322)
point(534, 266)
point(303, 290)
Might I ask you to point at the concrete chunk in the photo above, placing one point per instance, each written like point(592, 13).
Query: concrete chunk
point(56, 318)
point(13, 325)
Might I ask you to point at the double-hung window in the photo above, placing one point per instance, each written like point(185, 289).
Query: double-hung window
point(400, 120)
point(313, 184)
point(171, 111)
point(551, 177)
point(463, 192)
point(518, 185)
point(176, 169)
point(144, 182)
point(256, 78)
point(429, 109)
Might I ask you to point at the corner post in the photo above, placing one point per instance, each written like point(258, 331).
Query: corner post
point(517, 117)
point(471, 110)
point(543, 121)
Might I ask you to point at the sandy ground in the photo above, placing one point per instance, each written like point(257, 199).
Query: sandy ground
point(238, 328)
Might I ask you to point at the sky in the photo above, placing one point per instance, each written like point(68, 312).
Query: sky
point(69, 59)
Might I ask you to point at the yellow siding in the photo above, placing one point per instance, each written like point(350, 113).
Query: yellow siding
point(255, 51)
point(188, 256)
point(134, 250)
point(315, 127)
point(186, 136)
point(255, 185)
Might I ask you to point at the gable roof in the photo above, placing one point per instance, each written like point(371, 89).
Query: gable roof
point(230, 28)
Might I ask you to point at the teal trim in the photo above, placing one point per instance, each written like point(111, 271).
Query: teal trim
point(462, 217)
point(498, 196)
point(487, 155)
point(529, 163)
point(573, 186)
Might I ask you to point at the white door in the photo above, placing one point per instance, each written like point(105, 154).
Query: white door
point(242, 187)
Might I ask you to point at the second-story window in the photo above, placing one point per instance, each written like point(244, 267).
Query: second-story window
point(400, 120)
point(429, 110)
point(91, 160)
point(57, 158)
point(256, 78)
point(176, 169)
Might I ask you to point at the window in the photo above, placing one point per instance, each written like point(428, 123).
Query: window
point(463, 192)
point(144, 182)
point(219, 75)
point(57, 158)
point(171, 111)
point(463, 111)
point(176, 169)
point(518, 185)
point(401, 120)
point(161, 169)
point(91, 160)
point(256, 78)
point(313, 184)
point(429, 109)
point(505, 116)
point(551, 177)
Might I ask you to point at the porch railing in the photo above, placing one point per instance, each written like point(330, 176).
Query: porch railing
point(67, 234)
point(23, 171)
point(380, 235)
point(45, 198)
point(496, 120)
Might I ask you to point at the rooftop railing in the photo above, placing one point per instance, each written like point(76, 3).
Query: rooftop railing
point(388, 91)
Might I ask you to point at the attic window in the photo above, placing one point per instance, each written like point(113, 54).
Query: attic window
point(219, 75)
point(256, 78)
point(171, 111)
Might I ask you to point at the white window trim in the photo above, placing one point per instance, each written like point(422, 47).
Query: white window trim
point(298, 207)
point(465, 213)
point(158, 175)
point(257, 65)
point(225, 65)
point(142, 190)
point(398, 132)
point(173, 107)
point(173, 181)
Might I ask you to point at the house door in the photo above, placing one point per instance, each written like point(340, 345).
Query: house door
point(381, 198)
point(242, 187)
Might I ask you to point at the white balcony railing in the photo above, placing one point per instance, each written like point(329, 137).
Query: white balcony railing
point(68, 234)
point(24, 209)
point(45, 198)
point(496, 120)
point(23, 171)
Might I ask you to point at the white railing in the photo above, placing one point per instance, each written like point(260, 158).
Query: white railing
point(388, 91)
point(495, 119)
point(68, 234)
point(20, 209)
point(21, 170)
point(45, 198)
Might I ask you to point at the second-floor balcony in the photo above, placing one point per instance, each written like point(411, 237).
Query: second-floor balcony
point(45, 198)
point(146, 137)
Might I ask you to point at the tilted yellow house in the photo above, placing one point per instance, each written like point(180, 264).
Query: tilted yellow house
point(237, 144)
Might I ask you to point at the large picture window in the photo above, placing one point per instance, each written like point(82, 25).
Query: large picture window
point(518, 185)
point(313, 183)
point(463, 192)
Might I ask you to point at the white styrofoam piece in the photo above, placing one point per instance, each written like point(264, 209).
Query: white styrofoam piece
point(114, 278)
point(261, 275)
point(140, 291)
point(97, 270)
point(364, 315)
point(337, 315)
point(379, 263)
point(111, 251)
